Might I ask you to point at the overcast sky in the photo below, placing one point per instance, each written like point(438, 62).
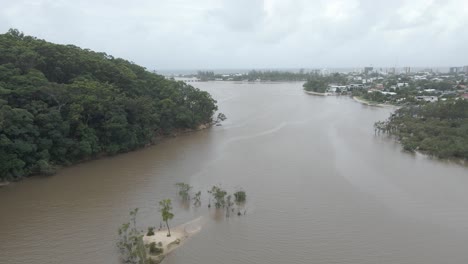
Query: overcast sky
point(213, 34)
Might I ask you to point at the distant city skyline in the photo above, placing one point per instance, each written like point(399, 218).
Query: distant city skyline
point(331, 69)
point(253, 34)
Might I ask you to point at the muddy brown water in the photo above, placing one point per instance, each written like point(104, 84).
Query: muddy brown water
point(322, 188)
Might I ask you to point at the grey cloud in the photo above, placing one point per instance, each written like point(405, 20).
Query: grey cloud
point(240, 15)
point(165, 34)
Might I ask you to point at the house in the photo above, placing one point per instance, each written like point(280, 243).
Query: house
point(427, 98)
point(355, 86)
point(336, 88)
point(429, 90)
point(379, 86)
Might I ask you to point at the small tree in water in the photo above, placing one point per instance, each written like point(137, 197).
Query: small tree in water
point(184, 190)
point(165, 208)
point(221, 117)
point(229, 203)
point(218, 195)
point(131, 244)
point(197, 199)
point(240, 196)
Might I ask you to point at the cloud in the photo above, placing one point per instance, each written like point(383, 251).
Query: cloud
point(170, 34)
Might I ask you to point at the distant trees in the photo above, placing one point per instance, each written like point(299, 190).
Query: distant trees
point(60, 104)
point(206, 75)
point(255, 75)
point(318, 83)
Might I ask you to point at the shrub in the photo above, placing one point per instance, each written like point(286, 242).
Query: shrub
point(240, 196)
point(154, 250)
point(150, 231)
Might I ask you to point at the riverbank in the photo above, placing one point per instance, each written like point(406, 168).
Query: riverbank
point(155, 140)
point(179, 235)
point(315, 93)
point(369, 103)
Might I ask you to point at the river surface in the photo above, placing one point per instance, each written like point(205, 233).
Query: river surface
point(322, 188)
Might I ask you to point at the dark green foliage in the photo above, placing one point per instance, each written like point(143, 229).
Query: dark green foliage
point(240, 196)
point(255, 75)
point(438, 129)
point(319, 84)
point(165, 208)
point(218, 196)
point(221, 117)
point(184, 189)
point(60, 104)
point(197, 199)
point(150, 231)
point(154, 250)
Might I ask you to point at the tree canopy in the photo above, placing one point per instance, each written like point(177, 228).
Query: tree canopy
point(318, 83)
point(60, 104)
point(439, 129)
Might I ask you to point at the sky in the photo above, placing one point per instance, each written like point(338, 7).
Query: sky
point(230, 34)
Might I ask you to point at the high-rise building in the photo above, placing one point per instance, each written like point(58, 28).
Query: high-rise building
point(456, 69)
point(368, 69)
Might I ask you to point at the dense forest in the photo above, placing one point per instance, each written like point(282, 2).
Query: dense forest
point(439, 129)
point(60, 104)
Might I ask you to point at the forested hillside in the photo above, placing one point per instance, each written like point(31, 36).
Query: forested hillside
point(60, 104)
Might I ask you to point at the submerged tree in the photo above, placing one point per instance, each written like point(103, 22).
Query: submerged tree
point(184, 190)
point(240, 196)
point(218, 196)
point(131, 244)
point(221, 117)
point(197, 199)
point(229, 204)
point(165, 208)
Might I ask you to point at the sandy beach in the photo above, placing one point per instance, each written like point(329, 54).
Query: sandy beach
point(179, 235)
point(315, 93)
point(365, 102)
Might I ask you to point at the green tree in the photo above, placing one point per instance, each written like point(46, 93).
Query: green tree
point(184, 189)
point(166, 213)
point(130, 242)
point(60, 104)
point(218, 195)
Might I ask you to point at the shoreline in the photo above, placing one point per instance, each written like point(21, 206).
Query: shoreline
point(154, 141)
point(315, 93)
point(365, 102)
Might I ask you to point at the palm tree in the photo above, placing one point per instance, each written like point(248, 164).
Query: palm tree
point(165, 209)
